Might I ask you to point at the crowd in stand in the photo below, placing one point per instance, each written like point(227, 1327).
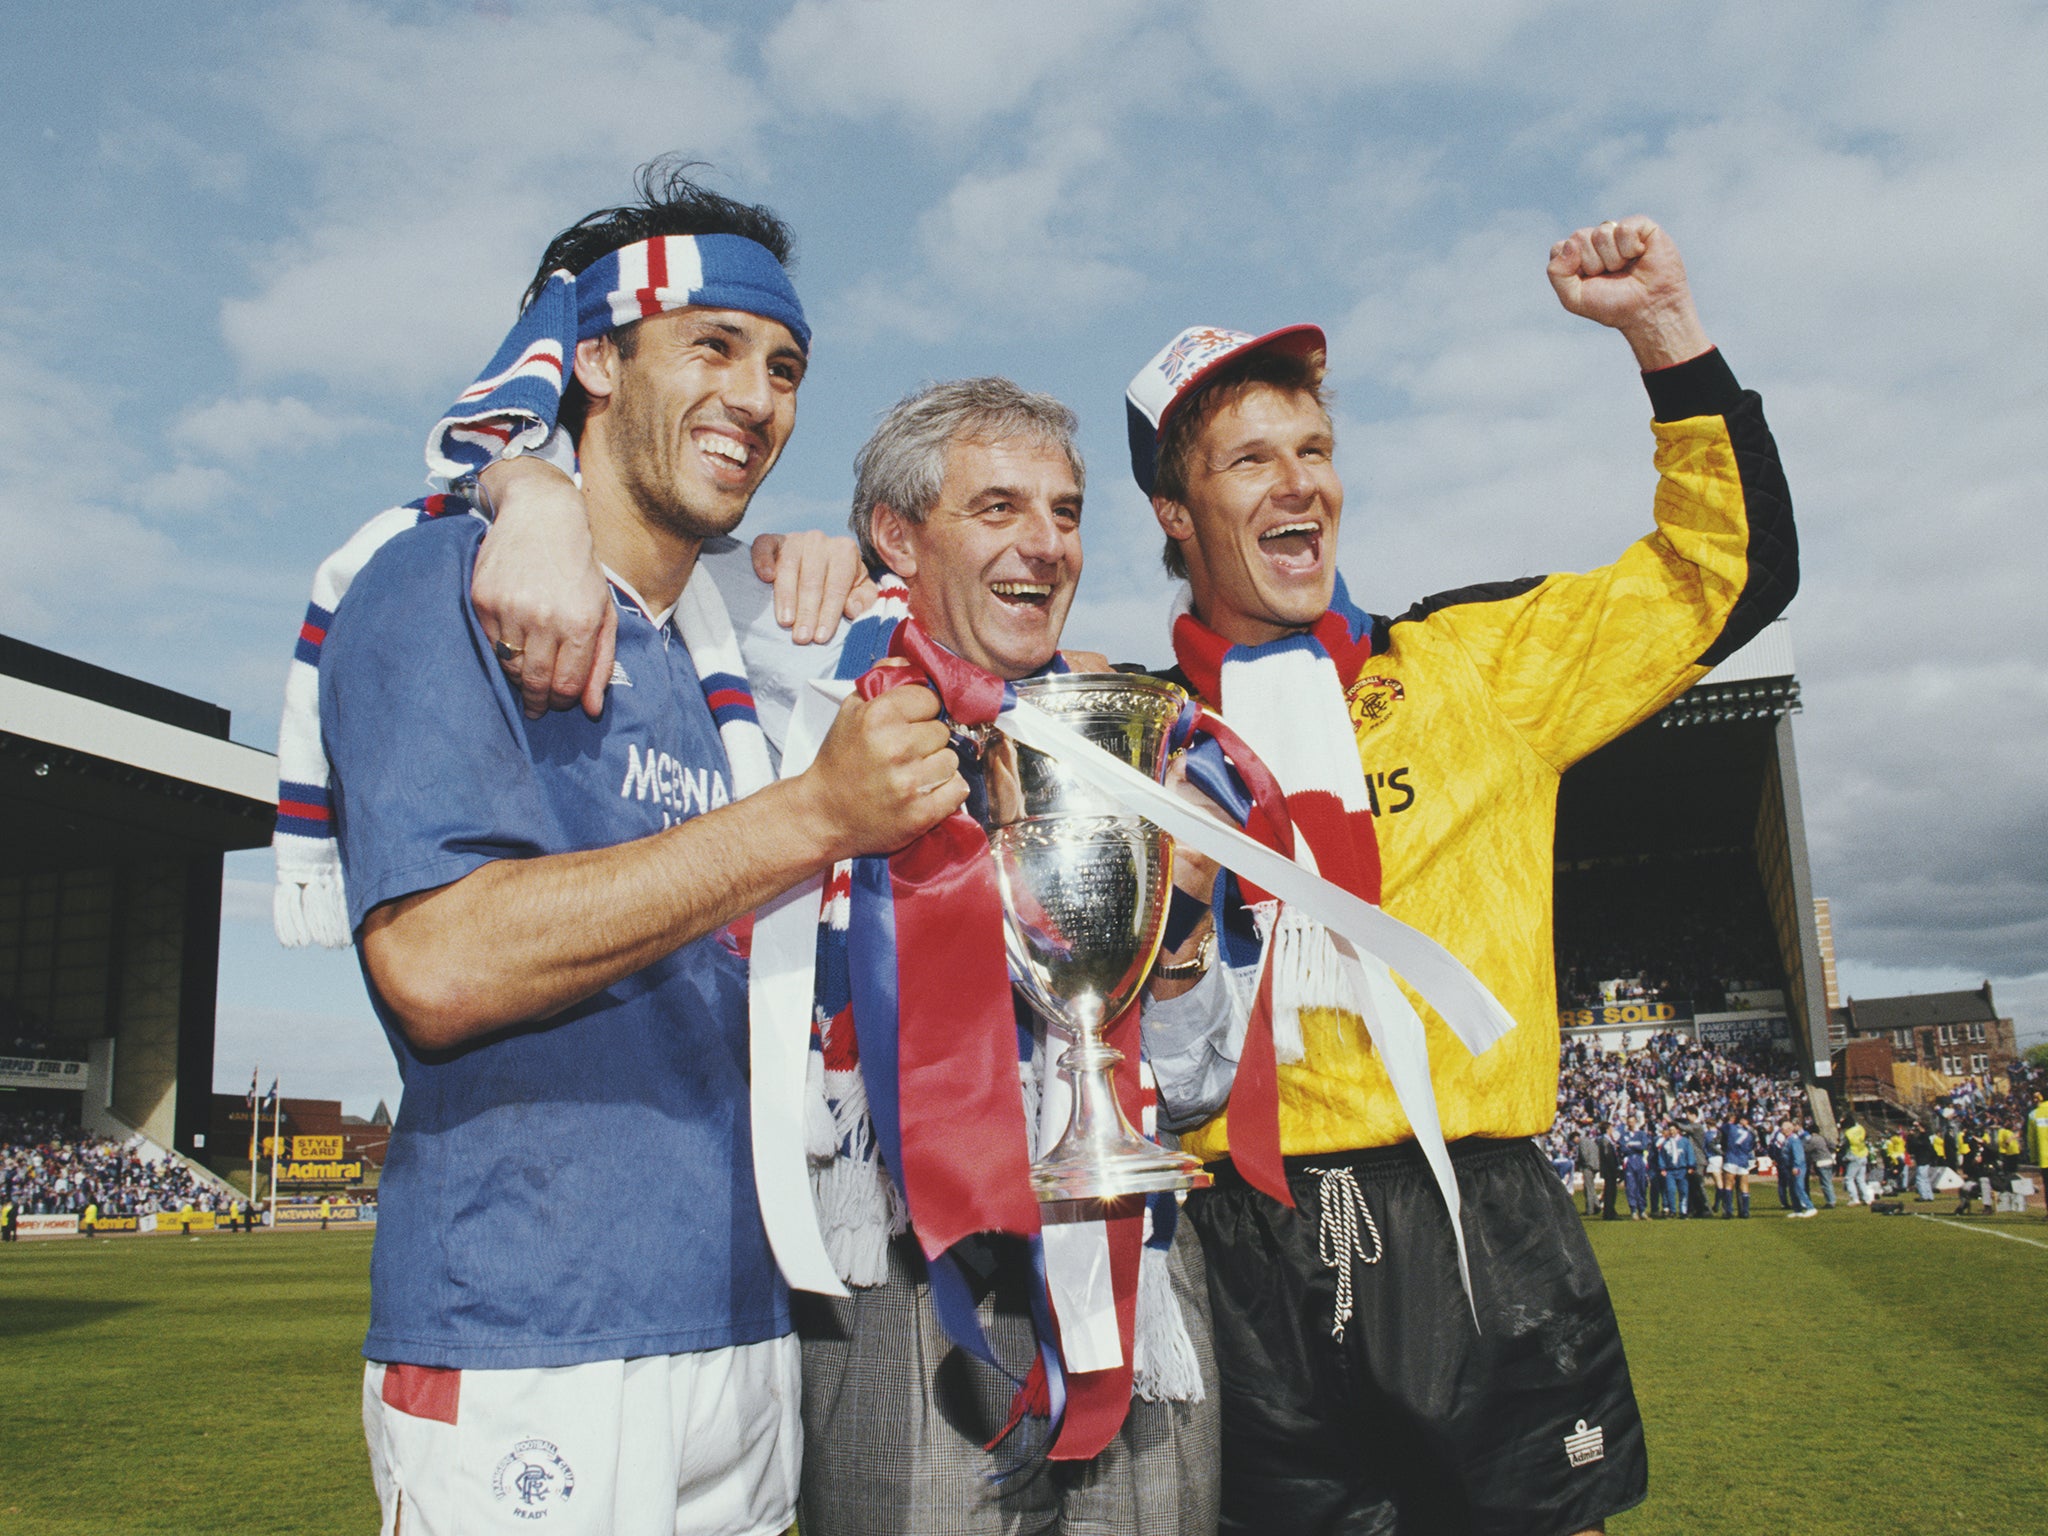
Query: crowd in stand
point(1679, 1128)
point(48, 1168)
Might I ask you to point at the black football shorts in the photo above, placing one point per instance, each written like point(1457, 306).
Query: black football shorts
point(1416, 1421)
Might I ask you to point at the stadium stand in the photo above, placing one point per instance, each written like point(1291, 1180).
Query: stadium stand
point(49, 1167)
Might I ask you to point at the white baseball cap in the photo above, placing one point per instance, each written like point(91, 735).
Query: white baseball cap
point(1182, 367)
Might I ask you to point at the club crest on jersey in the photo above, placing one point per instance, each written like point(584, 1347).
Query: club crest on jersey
point(1371, 701)
point(532, 1478)
point(1583, 1446)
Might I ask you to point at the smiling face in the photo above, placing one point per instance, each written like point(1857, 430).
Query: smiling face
point(1258, 526)
point(688, 416)
point(992, 567)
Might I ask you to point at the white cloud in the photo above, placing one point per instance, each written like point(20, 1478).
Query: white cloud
point(247, 427)
point(1028, 242)
point(432, 197)
point(939, 64)
point(147, 147)
point(1322, 48)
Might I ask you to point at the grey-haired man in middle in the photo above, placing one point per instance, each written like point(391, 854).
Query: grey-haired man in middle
point(970, 492)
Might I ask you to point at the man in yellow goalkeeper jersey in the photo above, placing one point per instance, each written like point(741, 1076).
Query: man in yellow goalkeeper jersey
point(1357, 1392)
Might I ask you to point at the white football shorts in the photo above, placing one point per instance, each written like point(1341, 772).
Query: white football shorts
point(709, 1441)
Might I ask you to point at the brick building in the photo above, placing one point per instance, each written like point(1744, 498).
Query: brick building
point(1958, 1034)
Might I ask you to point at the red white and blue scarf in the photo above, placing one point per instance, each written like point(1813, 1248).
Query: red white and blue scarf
point(932, 1076)
point(514, 403)
point(513, 406)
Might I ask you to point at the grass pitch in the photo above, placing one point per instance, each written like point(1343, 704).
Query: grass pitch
point(1836, 1377)
point(1851, 1375)
point(173, 1386)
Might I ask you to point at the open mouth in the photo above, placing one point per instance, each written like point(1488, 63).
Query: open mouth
point(1294, 549)
point(729, 456)
point(1022, 594)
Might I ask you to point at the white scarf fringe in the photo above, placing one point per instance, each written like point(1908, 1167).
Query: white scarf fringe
point(1164, 1368)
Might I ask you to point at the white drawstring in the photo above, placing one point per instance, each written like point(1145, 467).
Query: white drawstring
point(1337, 1235)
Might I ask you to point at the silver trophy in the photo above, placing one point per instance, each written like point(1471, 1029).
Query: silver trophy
point(1085, 886)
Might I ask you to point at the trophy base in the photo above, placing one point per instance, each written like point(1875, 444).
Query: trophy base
point(1143, 1169)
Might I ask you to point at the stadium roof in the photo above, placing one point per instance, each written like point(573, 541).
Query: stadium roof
point(1756, 683)
point(94, 764)
point(1768, 654)
point(1869, 1015)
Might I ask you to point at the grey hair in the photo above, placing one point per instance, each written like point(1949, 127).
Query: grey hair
point(903, 465)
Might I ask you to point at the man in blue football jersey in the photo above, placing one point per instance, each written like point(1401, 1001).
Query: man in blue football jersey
point(551, 913)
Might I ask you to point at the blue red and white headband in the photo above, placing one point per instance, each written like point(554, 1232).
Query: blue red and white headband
point(1181, 368)
point(519, 394)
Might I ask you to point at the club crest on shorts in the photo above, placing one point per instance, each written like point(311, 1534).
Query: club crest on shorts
point(1371, 701)
point(532, 1477)
point(1583, 1446)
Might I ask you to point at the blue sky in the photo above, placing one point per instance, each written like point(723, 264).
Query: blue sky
point(251, 250)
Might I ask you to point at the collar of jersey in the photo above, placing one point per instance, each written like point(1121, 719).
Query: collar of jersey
point(624, 595)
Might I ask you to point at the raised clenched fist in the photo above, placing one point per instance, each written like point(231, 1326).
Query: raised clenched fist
point(1627, 274)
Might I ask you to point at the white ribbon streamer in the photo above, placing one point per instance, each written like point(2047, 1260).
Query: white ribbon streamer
point(781, 977)
point(1370, 941)
point(1371, 944)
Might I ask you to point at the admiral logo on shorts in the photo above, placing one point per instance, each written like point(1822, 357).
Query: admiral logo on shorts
point(534, 1474)
point(1583, 1446)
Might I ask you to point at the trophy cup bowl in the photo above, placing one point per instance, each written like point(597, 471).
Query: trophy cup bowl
point(1085, 886)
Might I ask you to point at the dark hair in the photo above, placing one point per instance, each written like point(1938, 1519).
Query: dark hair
point(1289, 372)
point(670, 204)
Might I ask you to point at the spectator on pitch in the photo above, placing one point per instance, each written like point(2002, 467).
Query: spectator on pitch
point(1894, 1167)
point(2008, 1150)
point(1855, 1161)
point(1975, 1171)
point(1695, 1175)
point(1610, 1172)
point(1820, 1163)
point(1920, 1153)
point(1656, 1158)
point(1588, 1158)
point(1788, 1148)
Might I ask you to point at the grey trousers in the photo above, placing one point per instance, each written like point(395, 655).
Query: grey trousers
point(895, 1417)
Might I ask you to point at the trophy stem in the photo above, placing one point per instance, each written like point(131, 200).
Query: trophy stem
point(1100, 1157)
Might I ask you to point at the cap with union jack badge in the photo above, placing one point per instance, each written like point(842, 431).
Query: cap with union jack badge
point(1182, 367)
